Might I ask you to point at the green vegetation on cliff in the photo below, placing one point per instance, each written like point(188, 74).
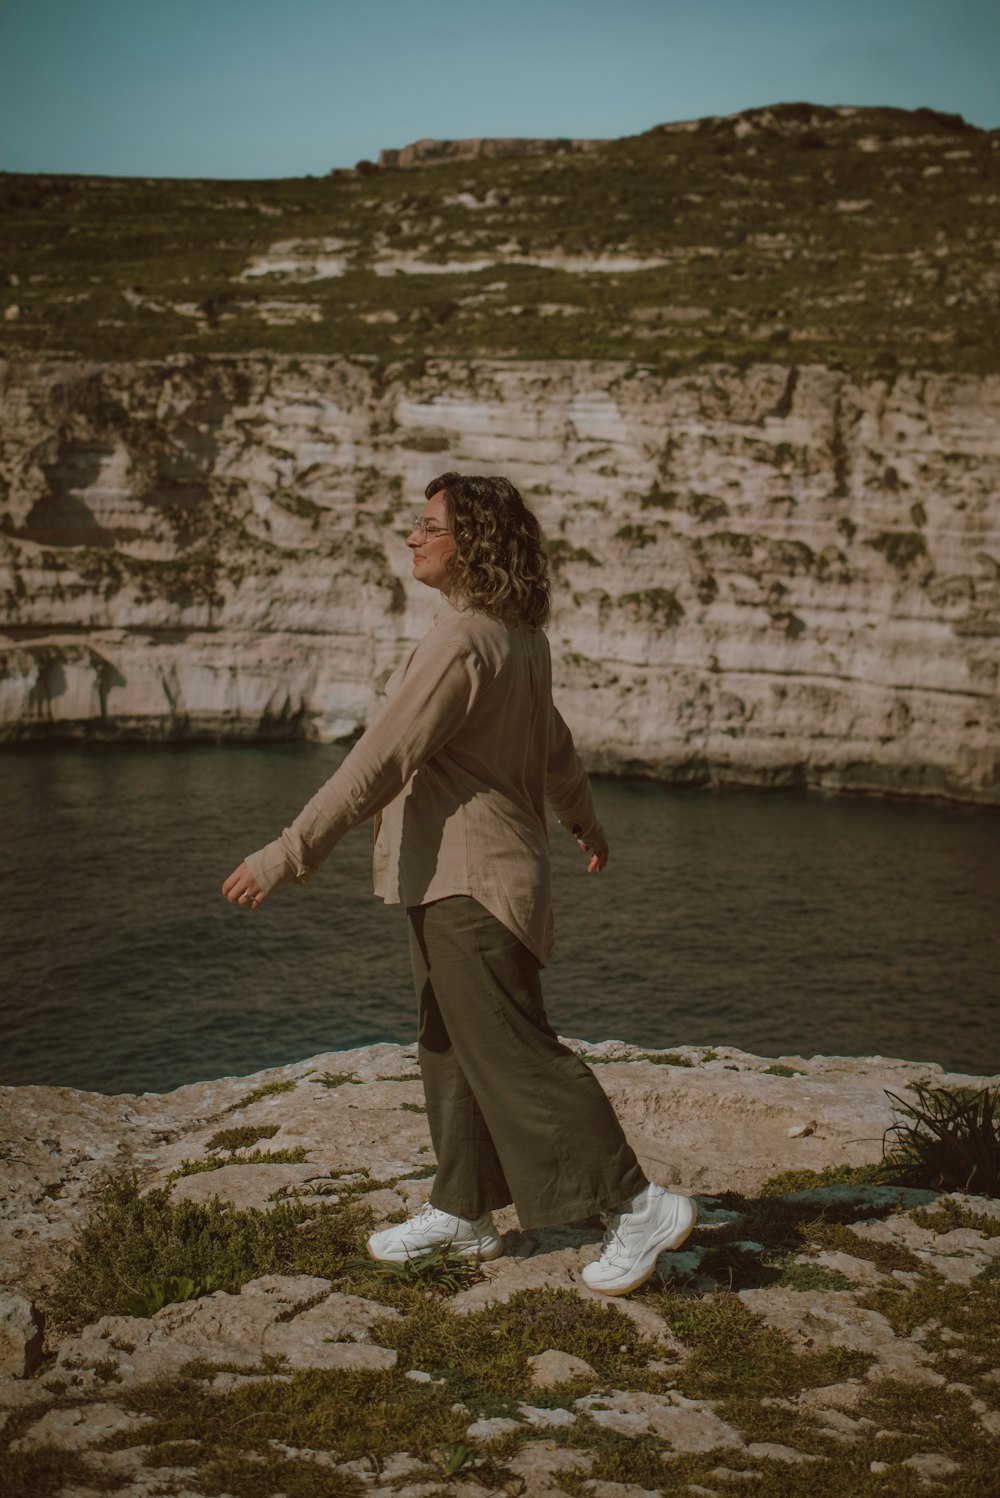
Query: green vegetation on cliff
point(859, 238)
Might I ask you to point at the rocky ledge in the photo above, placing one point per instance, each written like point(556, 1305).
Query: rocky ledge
point(813, 1324)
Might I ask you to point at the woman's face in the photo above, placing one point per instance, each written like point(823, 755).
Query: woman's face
point(431, 544)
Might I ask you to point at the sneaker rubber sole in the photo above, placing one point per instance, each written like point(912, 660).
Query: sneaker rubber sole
point(670, 1244)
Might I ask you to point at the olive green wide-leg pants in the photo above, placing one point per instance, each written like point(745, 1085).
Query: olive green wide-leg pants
point(514, 1115)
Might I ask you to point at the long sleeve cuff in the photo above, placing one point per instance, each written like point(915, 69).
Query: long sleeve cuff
point(272, 866)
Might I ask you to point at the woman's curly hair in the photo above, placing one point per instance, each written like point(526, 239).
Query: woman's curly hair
point(499, 565)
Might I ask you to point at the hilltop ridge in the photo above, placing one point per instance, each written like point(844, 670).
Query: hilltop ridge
point(853, 237)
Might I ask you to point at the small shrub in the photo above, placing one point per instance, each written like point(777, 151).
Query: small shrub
point(947, 1138)
point(788, 1181)
point(794, 1274)
point(269, 1089)
point(658, 604)
point(780, 1070)
point(337, 1079)
point(945, 1216)
point(133, 1241)
point(294, 1156)
point(900, 548)
point(667, 1058)
point(238, 1139)
point(839, 1238)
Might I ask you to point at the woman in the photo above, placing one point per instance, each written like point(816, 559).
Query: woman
point(456, 770)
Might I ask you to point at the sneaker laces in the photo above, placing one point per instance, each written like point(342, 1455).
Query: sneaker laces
point(613, 1239)
point(420, 1219)
point(425, 1211)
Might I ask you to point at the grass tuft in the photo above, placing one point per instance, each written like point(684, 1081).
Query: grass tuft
point(787, 1181)
point(269, 1089)
point(296, 1156)
point(665, 1058)
point(838, 1238)
point(438, 1270)
point(733, 1348)
point(241, 1138)
point(170, 1292)
point(969, 1314)
point(352, 1414)
point(947, 1215)
point(240, 1474)
point(482, 1356)
point(45, 1471)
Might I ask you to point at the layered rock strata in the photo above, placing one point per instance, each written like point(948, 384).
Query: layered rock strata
point(770, 576)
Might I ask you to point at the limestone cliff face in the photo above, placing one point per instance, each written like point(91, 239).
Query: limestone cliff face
point(766, 576)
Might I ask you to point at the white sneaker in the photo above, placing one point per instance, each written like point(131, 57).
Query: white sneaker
point(653, 1223)
point(433, 1229)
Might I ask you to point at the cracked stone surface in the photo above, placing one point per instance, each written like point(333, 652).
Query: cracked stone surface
point(689, 1425)
point(20, 1336)
point(820, 1319)
point(361, 1140)
point(294, 1316)
point(74, 1429)
point(59, 1144)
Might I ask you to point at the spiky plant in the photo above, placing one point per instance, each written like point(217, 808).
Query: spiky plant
point(948, 1138)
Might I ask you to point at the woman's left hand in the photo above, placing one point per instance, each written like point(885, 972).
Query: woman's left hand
point(598, 857)
point(241, 888)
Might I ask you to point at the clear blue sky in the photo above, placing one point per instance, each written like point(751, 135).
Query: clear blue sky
point(279, 88)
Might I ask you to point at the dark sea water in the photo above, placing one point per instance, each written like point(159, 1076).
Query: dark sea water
point(781, 924)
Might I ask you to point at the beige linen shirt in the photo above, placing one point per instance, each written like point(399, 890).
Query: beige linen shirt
point(459, 763)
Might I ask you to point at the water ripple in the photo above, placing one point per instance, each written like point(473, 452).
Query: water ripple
point(780, 924)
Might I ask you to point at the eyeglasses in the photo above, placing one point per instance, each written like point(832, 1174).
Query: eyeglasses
point(427, 528)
